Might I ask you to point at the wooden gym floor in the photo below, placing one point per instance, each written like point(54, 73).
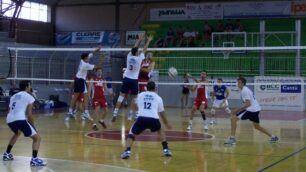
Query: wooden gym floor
point(72, 146)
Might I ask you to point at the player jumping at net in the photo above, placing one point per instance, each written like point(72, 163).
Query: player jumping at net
point(220, 94)
point(20, 119)
point(200, 102)
point(150, 107)
point(147, 66)
point(249, 110)
point(80, 85)
point(130, 80)
point(98, 87)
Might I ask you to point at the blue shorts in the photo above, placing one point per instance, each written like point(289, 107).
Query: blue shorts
point(129, 85)
point(24, 126)
point(252, 116)
point(80, 85)
point(143, 123)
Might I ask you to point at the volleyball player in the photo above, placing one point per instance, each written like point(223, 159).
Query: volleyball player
point(147, 66)
point(98, 87)
point(130, 80)
point(200, 102)
point(220, 95)
point(20, 119)
point(185, 92)
point(150, 107)
point(80, 86)
point(248, 111)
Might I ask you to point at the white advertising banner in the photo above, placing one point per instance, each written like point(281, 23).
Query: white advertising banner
point(89, 37)
point(167, 14)
point(197, 11)
point(257, 9)
point(132, 36)
point(298, 8)
point(280, 93)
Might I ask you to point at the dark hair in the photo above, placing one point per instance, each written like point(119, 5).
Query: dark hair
point(204, 71)
point(24, 84)
point(134, 51)
point(151, 86)
point(220, 79)
point(242, 79)
point(84, 55)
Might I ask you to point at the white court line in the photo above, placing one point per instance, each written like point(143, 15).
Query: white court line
point(104, 165)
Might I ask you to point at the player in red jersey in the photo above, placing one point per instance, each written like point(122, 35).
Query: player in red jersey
point(98, 86)
point(147, 66)
point(200, 102)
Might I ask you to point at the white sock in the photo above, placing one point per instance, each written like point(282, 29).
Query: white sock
point(70, 110)
point(190, 122)
point(115, 111)
point(86, 111)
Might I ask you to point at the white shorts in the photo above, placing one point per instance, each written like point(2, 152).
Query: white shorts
point(220, 104)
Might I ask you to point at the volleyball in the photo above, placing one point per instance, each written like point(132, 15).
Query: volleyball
point(172, 72)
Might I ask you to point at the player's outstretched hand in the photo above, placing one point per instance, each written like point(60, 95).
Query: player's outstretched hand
point(168, 126)
point(150, 37)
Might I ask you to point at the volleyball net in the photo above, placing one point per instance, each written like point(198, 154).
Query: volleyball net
point(267, 69)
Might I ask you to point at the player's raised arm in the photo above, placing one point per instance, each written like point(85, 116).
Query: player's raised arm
point(150, 38)
point(137, 43)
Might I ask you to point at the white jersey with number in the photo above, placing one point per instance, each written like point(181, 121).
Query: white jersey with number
point(18, 106)
point(149, 104)
point(133, 64)
point(247, 94)
point(84, 67)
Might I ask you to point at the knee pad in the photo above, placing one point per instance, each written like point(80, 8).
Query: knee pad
point(120, 99)
point(227, 110)
point(131, 136)
point(213, 111)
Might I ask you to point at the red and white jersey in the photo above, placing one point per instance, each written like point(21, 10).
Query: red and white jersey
point(145, 64)
point(201, 92)
point(98, 87)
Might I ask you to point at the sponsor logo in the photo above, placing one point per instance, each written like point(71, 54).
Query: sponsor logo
point(291, 89)
point(175, 12)
point(298, 8)
point(269, 88)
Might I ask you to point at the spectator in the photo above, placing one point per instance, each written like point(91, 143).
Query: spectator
point(229, 26)
point(13, 90)
point(220, 27)
point(238, 27)
point(170, 37)
point(179, 35)
point(159, 43)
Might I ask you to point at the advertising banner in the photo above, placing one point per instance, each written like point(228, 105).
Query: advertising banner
point(298, 8)
point(87, 37)
point(206, 11)
point(257, 9)
point(280, 93)
point(167, 14)
point(132, 36)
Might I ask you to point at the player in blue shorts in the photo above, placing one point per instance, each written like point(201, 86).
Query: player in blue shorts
point(150, 107)
point(130, 76)
point(20, 120)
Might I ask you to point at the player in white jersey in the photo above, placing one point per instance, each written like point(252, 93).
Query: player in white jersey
point(150, 106)
point(80, 86)
point(20, 119)
point(130, 75)
point(249, 110)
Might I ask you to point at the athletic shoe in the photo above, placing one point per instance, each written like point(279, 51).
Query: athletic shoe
point(86, 116)
point(230, 141)
point(103, 124)
point(167, 152)
point(7, 156)
point(114, 118)
point(94, 127)
point(189, 127)
point(274, 139)
point(212, 122)
point(71, 115)
point(37, 162)
point(126, 155)
point(205, 127)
